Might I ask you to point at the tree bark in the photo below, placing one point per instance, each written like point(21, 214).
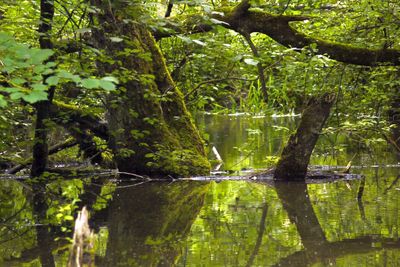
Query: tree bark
point(152, 133)
point(296, 155)
point(40, 146)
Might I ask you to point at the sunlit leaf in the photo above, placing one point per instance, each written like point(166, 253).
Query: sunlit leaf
point(16, 95)
point(90, 83)
point(68, 218)
point(39, 87)
point(18, 81)
point(40, 55)
point(107, 85)
point(218, 22)
point(35, 96)
point(116, 39)
point(250, 61)
point(10, 89)
point(110, 79)
point(199, 42)
point(69, 76)
point(3, 103)
point(52, 80)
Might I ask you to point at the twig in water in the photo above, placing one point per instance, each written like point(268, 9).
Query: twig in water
point(135, 175)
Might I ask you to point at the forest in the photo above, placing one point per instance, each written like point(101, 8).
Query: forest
point(97, 96)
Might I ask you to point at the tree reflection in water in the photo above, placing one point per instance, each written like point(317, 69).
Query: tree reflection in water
point(215, 224)
point(148, 223)
point(296, 201)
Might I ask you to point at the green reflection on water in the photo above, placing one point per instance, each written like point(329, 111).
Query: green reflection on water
point(246, 142)
point(227, 231)
point(232, 223)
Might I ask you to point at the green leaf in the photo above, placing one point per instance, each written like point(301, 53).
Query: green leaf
point(110, 79)
point(40, 55)
point(35, 96)
point(10, 89)
point(250, 61)
point(23, 52)
point(185, 39)
point(16, 95)
point(218, 22)
point(68, 218)
point(52, 80)
point(37, 78)
point(199, 42)
point(39, 69)
point(107, 85)
point(3, 103)
point(90, 83)
point(39, 87)
point(18, 81)
point(50, 64)
point(69, 76)
point(5, 37)
point(116, 39)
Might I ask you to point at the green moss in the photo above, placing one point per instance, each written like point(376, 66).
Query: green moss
point(153, 104)
point(66, 106)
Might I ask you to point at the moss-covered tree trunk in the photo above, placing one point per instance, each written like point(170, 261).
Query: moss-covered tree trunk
point(151, 131)
point(296, 155)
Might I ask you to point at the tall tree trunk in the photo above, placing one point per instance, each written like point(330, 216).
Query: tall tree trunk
point(296, 155)
point(40, 146)
point(151, 131)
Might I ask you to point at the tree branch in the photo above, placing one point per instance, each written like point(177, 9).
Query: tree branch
point(260, 68)
point(68, 116)
point(213, 81)
point(244, 20)
point(278, 28)
point(61, 146)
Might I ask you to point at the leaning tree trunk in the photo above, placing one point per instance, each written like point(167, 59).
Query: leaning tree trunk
point(296, 154)
point(151, 131)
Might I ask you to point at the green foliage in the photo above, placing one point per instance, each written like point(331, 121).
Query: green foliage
point(216, 70)
point(22, 69)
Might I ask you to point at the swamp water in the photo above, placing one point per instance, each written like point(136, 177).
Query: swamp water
point(231, 223)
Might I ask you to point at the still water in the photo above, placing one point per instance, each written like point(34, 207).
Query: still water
point(231, 223)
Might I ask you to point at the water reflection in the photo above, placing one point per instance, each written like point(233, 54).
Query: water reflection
point(246, 142)
point(147, 223)
point(317, 249)
point(44, 237)
point(232, 223)
point(303, 225)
